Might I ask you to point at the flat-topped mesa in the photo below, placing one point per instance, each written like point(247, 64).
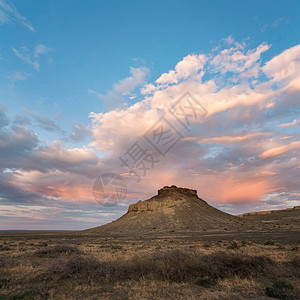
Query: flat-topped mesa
point(167, 198)
point(172, 209)
point(173, 189)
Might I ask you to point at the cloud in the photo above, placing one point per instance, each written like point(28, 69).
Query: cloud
point(41, 50)
point(30, 172)
point(233, 139)
point(19, 76)
point(190, 65)
point(296, 122)
point(32, 57)
point(237, 155)
point(236, 60)
point(9, 14)
point(3, 118)
point(58, 157)
point(14, 143)
point(274, 24)
point(115, 97)
point(80, 133)
point(285, 65)
point(44, 122)
point(54, 217)
point(222, 155)
point(21, 120)
point(280, 150)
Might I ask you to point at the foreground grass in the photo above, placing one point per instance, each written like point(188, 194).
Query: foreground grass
point(154, 269)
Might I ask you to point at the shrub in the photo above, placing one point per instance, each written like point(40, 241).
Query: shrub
point(205, 281)
point(4, 282)
point(223, 265)
point(176, 265)
point(233, 246)
point(293, 267)
point(24, 295)
point(4, 248)
point(281, 289)
point(269, 243)
point(173, 265)
point(116, 247)
point(57, 251)
point(81, 267)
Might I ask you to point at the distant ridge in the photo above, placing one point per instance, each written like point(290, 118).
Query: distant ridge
point(264, 212)
point(284, 219)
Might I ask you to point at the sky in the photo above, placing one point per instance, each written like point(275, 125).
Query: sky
point(199, 94)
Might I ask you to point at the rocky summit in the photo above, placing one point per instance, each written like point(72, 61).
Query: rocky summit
point(173, 209)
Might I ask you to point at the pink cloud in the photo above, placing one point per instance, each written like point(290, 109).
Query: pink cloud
point(280, 150)
point(233, 139)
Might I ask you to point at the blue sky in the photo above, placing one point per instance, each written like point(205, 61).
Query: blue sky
point(68, 65)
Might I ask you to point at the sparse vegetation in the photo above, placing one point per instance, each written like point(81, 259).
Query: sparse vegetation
point(57, 251)
point(93, 267)
point(172, 265)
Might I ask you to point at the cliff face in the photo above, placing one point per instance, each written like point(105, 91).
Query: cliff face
point(174, 190)
point(173, 209)
point(166, 198)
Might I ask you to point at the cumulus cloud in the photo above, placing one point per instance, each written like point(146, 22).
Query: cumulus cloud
point(284, 66)
point(237, 60)
point(190, 65)
point(14, 142)
point(115, 97)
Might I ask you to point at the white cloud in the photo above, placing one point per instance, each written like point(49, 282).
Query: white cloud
point(41, 50)
point(284, 65)
point(32, 57)
point(115, 97)
point(127, 85)
point(19, 76)
point(9, 14)
point(190, 65)
point(237, 60)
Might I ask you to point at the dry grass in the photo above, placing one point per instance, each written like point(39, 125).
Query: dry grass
point(74, 267)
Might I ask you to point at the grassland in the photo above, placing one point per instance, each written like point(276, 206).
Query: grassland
point(223, 265)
